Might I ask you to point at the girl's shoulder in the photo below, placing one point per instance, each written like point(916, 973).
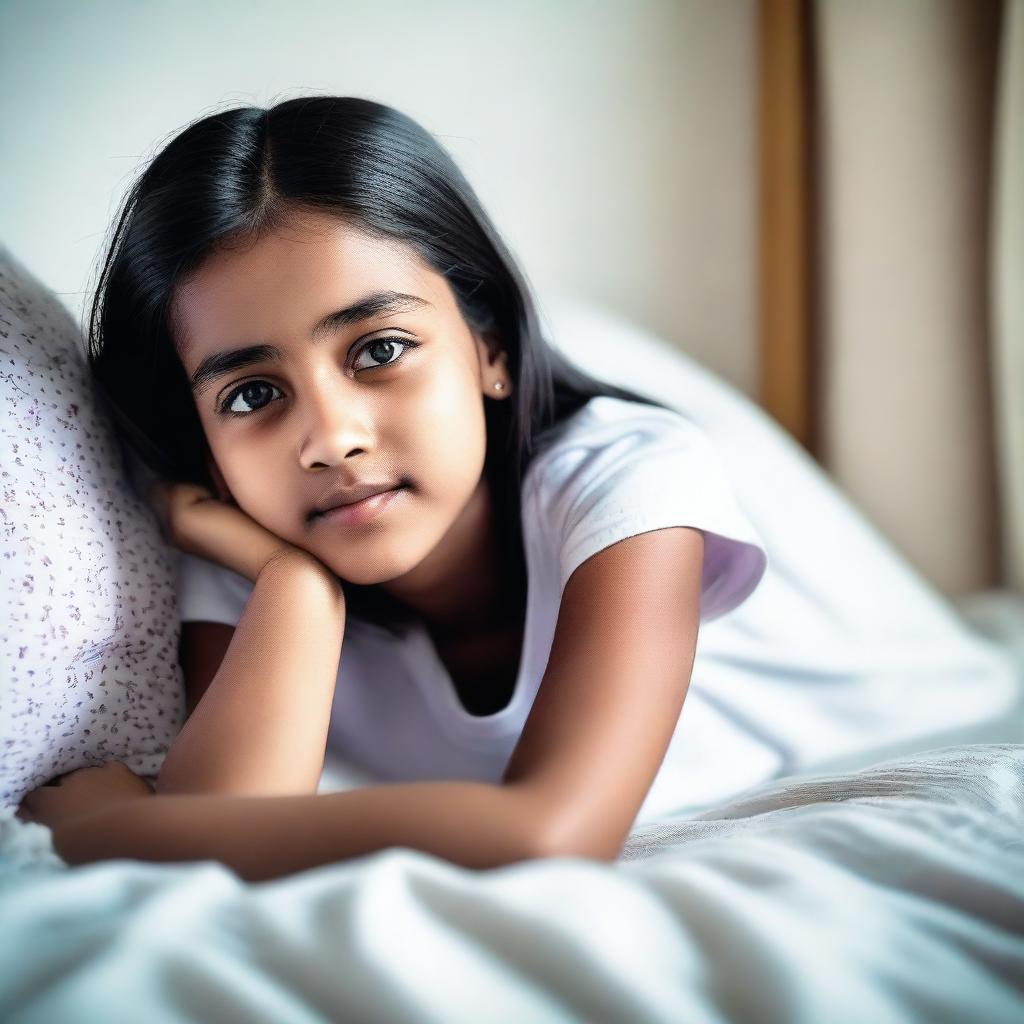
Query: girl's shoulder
point(606, 421)
point(620, 468)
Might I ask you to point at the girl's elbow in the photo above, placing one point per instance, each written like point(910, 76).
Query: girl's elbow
point(593, 846)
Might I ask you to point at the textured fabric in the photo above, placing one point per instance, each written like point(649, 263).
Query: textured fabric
point(615, 469)
point(88, 624)
point(982, 781)
point(894, 895)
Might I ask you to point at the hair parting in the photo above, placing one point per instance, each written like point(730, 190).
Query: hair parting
point(233, 176)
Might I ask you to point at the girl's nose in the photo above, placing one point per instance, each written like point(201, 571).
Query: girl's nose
point(335, 424)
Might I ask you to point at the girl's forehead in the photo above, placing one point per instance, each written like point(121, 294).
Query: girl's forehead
point(287, 280)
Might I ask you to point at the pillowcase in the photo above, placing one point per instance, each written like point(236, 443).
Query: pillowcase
point(88, 617)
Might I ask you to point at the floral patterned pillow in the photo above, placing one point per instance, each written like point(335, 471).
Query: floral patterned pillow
point(88, 616)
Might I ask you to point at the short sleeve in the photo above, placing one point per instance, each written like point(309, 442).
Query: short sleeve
point(208, 592)
point(649, 471)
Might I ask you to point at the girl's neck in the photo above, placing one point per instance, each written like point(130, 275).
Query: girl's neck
point(464, 584)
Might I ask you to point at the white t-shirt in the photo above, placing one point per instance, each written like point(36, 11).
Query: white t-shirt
point(615, 469)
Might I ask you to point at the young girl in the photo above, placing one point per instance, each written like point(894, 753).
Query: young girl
point(411, 531)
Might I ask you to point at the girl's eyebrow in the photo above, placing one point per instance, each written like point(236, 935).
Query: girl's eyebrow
point(382, 303)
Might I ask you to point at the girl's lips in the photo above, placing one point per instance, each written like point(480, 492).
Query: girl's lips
point(360, 512)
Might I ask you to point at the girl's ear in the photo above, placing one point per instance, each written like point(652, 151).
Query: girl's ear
point(493, 358)
point(218, 481)
point(489, 346)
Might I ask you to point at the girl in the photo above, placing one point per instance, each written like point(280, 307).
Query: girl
point(410, 529)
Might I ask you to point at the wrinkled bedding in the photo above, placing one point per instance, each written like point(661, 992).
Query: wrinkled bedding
point(895, 893)
point(869, 892)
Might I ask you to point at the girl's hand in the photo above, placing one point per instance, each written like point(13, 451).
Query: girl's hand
point(195, 520)
point(81, 793)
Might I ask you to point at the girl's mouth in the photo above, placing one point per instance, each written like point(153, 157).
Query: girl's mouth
point(364, 511)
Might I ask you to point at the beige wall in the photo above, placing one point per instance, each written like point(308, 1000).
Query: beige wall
point(612, 142)
point(615, 144)
point(905, 136)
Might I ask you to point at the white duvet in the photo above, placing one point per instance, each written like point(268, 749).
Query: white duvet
point(891, 894)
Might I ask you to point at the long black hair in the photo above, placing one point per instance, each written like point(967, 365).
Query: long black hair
point(243, 172)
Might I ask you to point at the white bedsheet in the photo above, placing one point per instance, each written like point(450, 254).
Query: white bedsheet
point(891, 894)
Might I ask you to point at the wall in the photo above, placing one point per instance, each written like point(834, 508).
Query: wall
point(611, 142)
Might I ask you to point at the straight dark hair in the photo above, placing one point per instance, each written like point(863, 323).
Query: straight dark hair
point(243, 172)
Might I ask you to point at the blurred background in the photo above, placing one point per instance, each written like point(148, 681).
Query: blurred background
point(821, 202)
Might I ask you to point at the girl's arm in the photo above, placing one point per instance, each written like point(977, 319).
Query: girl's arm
point(260, 728)
point(593, 742)
point(473, 824)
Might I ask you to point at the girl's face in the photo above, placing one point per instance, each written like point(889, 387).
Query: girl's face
point(391, 389)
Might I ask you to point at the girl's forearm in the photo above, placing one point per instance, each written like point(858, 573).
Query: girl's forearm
point(260, 728)
point(476, 825)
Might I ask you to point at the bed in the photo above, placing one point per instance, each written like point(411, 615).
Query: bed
point(890, 894)
point(853, 850)
point(873, 871)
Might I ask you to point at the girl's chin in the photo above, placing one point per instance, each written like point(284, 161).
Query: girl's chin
point(383, 573)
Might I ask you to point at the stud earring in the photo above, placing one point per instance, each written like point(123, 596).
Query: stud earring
point(498, 386)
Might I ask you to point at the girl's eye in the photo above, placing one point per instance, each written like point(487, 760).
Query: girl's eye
point(388, 347)
point(244, 393)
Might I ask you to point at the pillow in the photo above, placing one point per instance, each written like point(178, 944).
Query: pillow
point(88, 617)
point(844, 653)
